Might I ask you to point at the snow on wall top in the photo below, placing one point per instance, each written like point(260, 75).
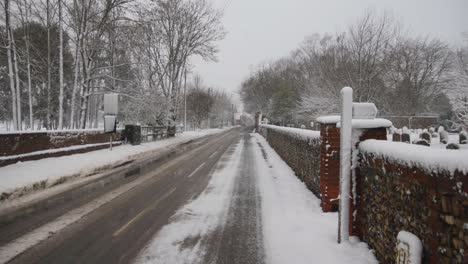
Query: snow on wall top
point(369, 123)
point(332, 119)
point(429, 159)
point(297, 132)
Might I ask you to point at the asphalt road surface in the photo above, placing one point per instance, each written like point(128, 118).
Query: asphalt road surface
point(117, 231)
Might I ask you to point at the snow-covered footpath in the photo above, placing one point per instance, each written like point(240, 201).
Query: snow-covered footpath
point(51, 170)
point(294, 227)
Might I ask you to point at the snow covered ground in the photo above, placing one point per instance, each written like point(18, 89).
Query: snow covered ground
point(294, 228)
point(50, 170)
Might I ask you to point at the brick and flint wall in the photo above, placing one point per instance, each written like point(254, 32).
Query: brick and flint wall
point(430, 203)
point(294, 149)
point(388, 195)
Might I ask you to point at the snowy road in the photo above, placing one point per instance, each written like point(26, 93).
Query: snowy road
point(231, 200)
point(118, 224)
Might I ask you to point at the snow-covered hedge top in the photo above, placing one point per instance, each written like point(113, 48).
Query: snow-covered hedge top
point(429, 159)
point(332, 119)
point(297, 132)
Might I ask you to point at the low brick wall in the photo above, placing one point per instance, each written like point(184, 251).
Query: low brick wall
point(21, 143)
point(15, 147)
point(294, 151)
point(432, 205)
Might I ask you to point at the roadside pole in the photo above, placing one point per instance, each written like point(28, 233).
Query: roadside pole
point(345, 162)
point(185, 100)
point(111, 102)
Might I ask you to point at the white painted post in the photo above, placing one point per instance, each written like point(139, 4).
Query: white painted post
point(345, 162)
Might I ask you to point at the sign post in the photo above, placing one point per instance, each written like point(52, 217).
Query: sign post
point(111, 102)
point(345, 162)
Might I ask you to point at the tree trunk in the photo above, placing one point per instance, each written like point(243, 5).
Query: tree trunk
point(60, 125)
point(48, 67)
point(79, 43)
point(18, 88)
point(75, 83)
point(10, 65)
point(28, 62)
point(85, 86)
point(31, 116)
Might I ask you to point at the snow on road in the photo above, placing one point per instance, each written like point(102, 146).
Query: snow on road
point(25, 174)
point(294, 226)
point(181, 241)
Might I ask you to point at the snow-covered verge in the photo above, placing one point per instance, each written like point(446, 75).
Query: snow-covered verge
point(23, 177)
point(429, 159)
point(196, 220)
point(294, 226)
point(297, 132)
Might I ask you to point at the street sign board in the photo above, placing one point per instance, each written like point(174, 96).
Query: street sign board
point(111, 102)
point(364, 111)
point(110, 123)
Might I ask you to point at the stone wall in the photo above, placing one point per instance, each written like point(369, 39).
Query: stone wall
point(294, 151)
point(431, 205)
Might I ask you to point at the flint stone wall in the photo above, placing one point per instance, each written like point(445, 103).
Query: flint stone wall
point(432, 205)
point(295, 151)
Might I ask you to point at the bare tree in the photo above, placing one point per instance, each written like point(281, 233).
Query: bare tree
point(459, 91)
point(180, 29)
point(24, 9)
point(420, 74)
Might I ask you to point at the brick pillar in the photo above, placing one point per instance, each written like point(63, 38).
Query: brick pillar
point(367, 133)
point(330, 161)
point(329, 166)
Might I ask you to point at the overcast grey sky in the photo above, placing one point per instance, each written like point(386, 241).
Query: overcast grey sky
point(264, 30)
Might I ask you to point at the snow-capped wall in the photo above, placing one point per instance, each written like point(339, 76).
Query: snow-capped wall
point(417, 189)
point(23, 146)
point(296, 132)
point(295, 146)
point(429, 159)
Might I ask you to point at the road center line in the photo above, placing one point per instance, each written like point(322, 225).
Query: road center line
point(118, 232)
point(195, 171)
point(212, 154)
